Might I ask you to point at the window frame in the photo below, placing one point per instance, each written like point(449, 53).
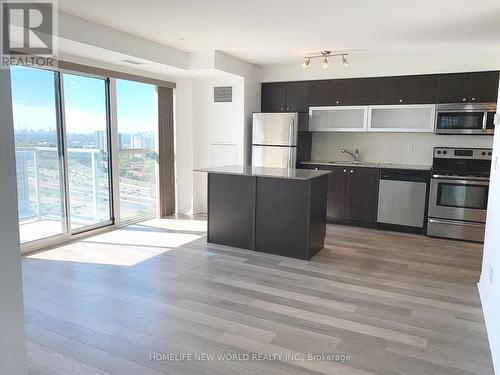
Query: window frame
point(112, 139)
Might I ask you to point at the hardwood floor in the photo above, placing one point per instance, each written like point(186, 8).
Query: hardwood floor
point(394, 303)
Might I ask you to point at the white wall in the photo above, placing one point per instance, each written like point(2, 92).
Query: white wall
point(489, 284)
point(12, 341)
point(218, 130)
point(389, 147)
point(252, 78)
point(364, 64)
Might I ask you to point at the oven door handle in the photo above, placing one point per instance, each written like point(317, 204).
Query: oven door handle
point(458, 223)
point(464, 179)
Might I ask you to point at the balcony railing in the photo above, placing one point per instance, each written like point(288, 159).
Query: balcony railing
point(40, 185)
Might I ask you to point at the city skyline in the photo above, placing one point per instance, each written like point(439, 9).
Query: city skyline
point(35, 106)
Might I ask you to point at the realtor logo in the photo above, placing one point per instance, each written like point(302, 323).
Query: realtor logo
point(28, 31)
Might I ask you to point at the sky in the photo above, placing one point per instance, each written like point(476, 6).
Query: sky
point(33, 97)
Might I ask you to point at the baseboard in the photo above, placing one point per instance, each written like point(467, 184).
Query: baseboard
point(400, 228)
point(353, 223)
point(488, 318)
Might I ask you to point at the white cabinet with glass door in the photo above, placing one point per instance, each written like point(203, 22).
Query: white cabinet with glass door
point(414, 118)
point(340, 119)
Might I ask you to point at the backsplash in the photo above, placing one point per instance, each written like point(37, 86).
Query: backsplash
point(389, 147)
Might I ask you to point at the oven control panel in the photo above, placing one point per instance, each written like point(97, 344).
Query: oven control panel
point(463, 153)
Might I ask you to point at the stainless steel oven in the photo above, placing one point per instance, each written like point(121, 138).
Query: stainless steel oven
point(459, 198)
point(458, 195)
point(477, 118)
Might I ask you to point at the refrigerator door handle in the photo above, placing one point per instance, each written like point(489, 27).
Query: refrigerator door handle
point(290, 158)
point(291, 133)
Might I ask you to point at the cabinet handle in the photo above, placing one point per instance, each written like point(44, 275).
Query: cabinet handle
point(345, 170)
point(352, 171)
point(464, 99)
point(337, 102)
point(287, 108)
point(401, 100)
point(282, 108)
point(473, 99)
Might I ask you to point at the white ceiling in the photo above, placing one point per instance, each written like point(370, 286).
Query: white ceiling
point(282, 31)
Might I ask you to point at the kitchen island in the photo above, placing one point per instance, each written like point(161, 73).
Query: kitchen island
point(273, 210)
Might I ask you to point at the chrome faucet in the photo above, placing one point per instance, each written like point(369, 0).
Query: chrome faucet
point(355, 155)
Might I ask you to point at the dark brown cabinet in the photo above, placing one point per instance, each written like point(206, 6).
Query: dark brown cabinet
point(412, 89)
point(362, 194)
point(337, 193)
point(380, 90)
point(273, 97)
point(352, 193)
point(402, 90)
point(297, 96)
point(340, 92)
point(285, 97)
point(467, 87)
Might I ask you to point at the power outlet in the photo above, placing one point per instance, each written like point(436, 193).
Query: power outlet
point(411, 147)
point(490, 274)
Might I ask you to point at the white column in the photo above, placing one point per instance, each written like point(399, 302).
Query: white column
point(489, 284)
point(12, 337)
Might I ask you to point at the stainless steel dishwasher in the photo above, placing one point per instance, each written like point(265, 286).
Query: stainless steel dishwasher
point(402, 199)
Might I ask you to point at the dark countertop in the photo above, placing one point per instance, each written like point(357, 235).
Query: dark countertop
point(291, 174)
point(370, 165)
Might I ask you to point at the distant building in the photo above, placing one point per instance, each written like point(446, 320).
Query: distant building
point(100, 140)
point(23, 159)
point(137, 141)
point(149, 141)
point(123, 141)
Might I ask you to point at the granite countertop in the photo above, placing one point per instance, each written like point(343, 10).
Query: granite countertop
point(370, 165)
point(292, 174)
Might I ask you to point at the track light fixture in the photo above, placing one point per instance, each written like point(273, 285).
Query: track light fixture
point(325, 55)
point(344, 61)
point(306, 62)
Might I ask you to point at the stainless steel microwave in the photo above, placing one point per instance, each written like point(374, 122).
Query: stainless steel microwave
point(477, 118)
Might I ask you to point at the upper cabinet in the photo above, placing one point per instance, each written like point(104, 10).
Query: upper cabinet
point(285, 96)
point(338, 92)
point(338, 118)
point(273, 97)
point(297, 96)
point(401, 90)
point(375, 91)
point(467, 87)
point(411, 118)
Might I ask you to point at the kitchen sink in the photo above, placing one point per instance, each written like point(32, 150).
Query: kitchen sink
point(355, 163)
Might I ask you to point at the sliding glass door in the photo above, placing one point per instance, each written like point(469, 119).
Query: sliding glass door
point(39, 154)
point(87, 150)
point(137, 122)
point(62, 137)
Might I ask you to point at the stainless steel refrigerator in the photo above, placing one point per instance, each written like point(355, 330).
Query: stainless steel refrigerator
point(274, 140)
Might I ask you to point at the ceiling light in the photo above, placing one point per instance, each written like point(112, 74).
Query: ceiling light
point(325, 55)
point(325, 63)
point(344, 61)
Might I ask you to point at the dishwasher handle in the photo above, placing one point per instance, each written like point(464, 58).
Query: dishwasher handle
point(405, 175)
